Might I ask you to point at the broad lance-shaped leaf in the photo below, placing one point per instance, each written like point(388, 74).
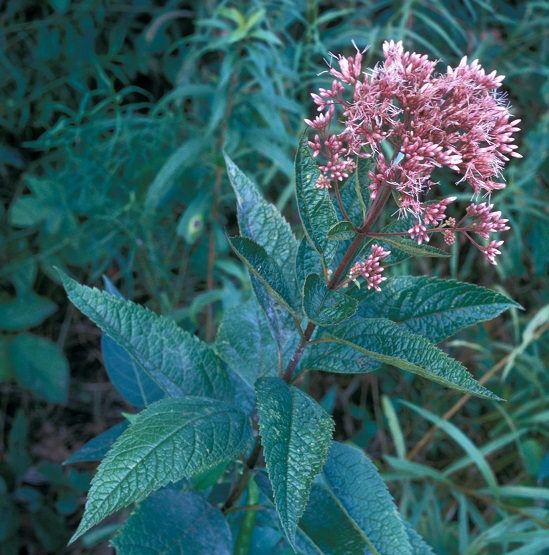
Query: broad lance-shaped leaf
point(169, 440)
point(432, 307)
point(295, 434)
point(338, 358)
point(261, 222)
point(308, 261)
point(315, 206)
point(350, 510)
point(123, 370)
point(245, 343)
point(390, 343)
point(179, 363)
point(324, 306)
point(172, 522)
point(265, 268)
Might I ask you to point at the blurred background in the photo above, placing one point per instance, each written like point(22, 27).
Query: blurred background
point(113, 118)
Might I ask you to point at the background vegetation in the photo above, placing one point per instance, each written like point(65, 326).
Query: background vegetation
point(112, 124)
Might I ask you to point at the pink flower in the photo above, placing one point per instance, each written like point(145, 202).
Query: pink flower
point(428, 121)
point(371, 268)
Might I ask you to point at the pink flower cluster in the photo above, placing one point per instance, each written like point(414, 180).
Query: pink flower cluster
point(428, 121)
point(371, 268)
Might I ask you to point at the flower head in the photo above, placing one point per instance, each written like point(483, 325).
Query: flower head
point(371, 268)
point(427, 120)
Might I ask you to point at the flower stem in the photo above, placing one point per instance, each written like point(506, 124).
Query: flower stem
point(369, 221)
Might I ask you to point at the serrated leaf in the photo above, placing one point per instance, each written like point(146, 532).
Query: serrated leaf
point(390, 343)
point(338, 358)
point(261, 222)
point(315, 206)
point(351, 511)
point(174, 522)
point(169, 440)
point(295, 433)
point(308, 261)
point(342, 231)
point(412, 248)
point(280, 322)
point(97, 448)
point(245, 343)
point(179, 363)
point(324, 306)
point(432, 307)
point(266, 270)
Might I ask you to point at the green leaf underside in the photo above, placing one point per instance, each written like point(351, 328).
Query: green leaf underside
point(261, 222)
point(342, 231)
point(280, 322)
point(265, 269)
point(179, 363)
point(295, 433)
point(174, 522)
point(245, 343)
point(432, 307)
point(97, 448)
point(127, 375)
point(350, 509)
point(169, 440)
point(390, 343)
point(315, 206)
point(323, 306)
point(411, 247)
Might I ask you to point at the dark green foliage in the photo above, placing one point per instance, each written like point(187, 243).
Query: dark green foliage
point(114, 121)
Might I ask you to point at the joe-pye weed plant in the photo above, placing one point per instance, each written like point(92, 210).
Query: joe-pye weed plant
point(226, 432)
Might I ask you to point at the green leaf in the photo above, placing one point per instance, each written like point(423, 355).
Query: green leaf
point(315, 206)
point(169, 440)
point(390, 343)
point(261, 222)
point(18, 456)
point(97, 448)
point(179, 363)
point(173, 522)
point(342, 231)
point(410, 247)
point(338, 358)
point(295, 433)
point(127, 375)
point(164, 181)
point(351, 510)
point(432, 307)
point(245, 343)
point(324, 306)
point(40, 366)
point(23, 313)
point(308, 261)
point(266, 269)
